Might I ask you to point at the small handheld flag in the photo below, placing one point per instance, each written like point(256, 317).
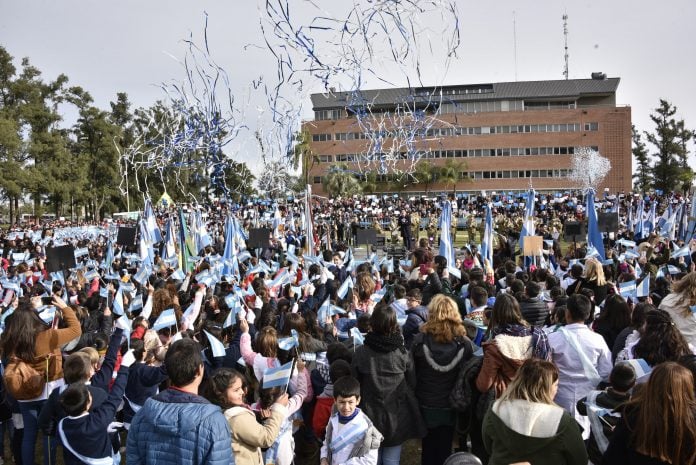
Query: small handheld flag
point(215, 345)
point(166, 319)
point(280, 376)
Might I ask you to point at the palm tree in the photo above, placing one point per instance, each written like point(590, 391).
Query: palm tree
point(425, 174)
point(302, 154)
point(369, 183)
point(340, 182)
point(450, 173)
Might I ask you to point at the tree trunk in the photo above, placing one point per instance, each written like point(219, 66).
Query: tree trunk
point(11, 210)
point(16, 202)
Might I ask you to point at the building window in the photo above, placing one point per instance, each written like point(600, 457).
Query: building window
point(591, 126)
point(321, 137)
point(316, 180)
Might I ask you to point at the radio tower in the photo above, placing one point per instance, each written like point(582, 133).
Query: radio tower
point(565, 36)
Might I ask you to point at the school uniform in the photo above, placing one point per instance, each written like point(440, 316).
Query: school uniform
point(142, 384)
point(84, 437)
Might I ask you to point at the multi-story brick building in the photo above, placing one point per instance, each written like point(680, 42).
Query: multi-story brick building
point(509, 134)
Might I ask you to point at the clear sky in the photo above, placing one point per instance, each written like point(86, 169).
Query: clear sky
point(128, 45)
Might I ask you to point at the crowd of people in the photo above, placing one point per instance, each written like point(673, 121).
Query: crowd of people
point(278, 354)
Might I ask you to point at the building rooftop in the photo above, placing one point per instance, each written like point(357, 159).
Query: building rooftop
point(556, 90)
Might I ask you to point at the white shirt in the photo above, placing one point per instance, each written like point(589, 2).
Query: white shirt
point(573, 384)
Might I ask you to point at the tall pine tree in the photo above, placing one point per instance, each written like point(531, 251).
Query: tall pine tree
point(643, 177)
point(666, 170)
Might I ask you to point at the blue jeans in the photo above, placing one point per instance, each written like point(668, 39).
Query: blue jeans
point(30, 414)
point(389, 455)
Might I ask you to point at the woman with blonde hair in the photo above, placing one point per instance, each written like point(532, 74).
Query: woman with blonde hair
point(524, 425)
point(678, 304)
point(593, 279)
point(659, 422)
point(439, 352)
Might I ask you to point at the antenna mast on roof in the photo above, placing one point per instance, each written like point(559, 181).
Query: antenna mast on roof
point(565, 36)
point(514, 40)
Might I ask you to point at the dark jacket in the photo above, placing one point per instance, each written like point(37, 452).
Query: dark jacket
point(52, 412)
point(87, 435)
point(102, 378)
point(600, 292)
point(415, 317)
point(432, 286)
point(534, 310)
point(437, 367)
point(608, 400)
point(620, 451)
point(386, 393)
point(507, 446)
point(609, 333)
point(142, 384)
point(176, 427)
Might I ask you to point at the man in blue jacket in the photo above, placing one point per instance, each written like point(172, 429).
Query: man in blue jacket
point(178, 426)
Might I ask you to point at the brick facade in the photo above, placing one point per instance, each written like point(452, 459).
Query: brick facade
point(500, 161)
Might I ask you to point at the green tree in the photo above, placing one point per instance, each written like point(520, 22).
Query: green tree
point(339, 182)
point(303, 159)
point(239, 180)
point(450, 173)
point(369, 183)
point(425, 174)
point(95, 135)
point(643, 177)
point(666, 170)
point(684, 137)
point(275, 180)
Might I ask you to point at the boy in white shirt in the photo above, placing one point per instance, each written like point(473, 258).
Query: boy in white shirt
point(351, 438)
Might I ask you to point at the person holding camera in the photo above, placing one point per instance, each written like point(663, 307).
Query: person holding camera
point(28, 340)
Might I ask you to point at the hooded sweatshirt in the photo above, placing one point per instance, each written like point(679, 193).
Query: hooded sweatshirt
point(522, 431)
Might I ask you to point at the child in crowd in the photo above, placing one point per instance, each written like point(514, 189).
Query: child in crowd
point(325, 401)
point(351, 438)
point(282, 451)
point(142, 383)
point(599, 406)
point(228, 389)
point(84, 434)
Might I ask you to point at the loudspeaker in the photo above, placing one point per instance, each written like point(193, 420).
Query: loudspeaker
point(608, 222)
point(573, 231)
point(60, 258)
point(126, 236)
point(367, 237)
point(259, 238)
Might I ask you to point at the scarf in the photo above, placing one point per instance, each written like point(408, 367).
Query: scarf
point(385, 343)
point(343, 420)
point(540, 343)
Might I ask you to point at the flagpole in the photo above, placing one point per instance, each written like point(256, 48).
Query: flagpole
point(292, 368)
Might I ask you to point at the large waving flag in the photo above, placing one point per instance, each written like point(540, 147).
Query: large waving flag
point(184, 252)
point(488, 235)
point(229, 255)
point(169, 245)
point(446, 246)
point(651, 220)
point(145, 245)
point(153, 231)
point(594, 237)
point(308, 225)
point(640, 225)
point(691, 228)
point(528, 222)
